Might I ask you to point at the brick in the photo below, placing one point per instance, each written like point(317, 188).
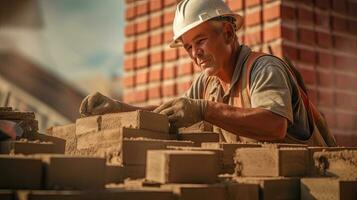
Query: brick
point(271, 13)
point(253, 18)
point(19, 172)
point(155, 5)
point(87, 124)
point(142, 43)
point(170, 166)
point(229, 150)
point(322, 20)
point(323, 4)
point(128, 81)
point(338, 163)
point(253, 38)
point(290, 52)
point(136, 119)
point(155, 92)
point(135, 150)
point(26, 147)
point(307, 36)
point(199, 137)
point(138, 194)
point(129, 30)
point(345, 43)
point(339, 24)
point(168, 35)
point(141, 78)
point(114, 174)
point(328, 188)
point(272, 33)
point(235, 5)
point(309, 76)
point(129, 46)
point(130, 12)
point(182, 87)
point(155, 75)
point(156, 57)
point(129, 64)
point(185, 69)
point(313, 169)
point(142, 9)
point(252, 3)
point(81, 172)
point(142, 61)
point(346, 63)
point(339, 6)
point(142, 26)
point(274, 188)
point(289, 33)
point(198, 191)
point(68, 133)
point(325, 60)
point(326, 98)
point(134, 171)
point(271, 162)
point(54, 194)
point(288, 13)
point(156, 39)
point(305, 16)
point(169, 90)
point(169, 2)
point(242, 191)
point(345, 82)
point(140, 96)
point(308, 56)
point(324, 40)
point(156, 22)
point(169, 72)
point(170, 54)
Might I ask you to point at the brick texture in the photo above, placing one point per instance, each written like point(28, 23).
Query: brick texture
point(317, 36)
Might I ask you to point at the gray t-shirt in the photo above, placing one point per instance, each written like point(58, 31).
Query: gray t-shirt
point(271, 88)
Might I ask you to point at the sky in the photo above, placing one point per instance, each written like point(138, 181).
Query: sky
point(82, 38)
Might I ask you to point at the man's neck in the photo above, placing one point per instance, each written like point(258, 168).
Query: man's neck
point(226, 75)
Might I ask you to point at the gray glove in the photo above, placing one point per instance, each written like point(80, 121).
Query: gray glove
point(183, 111)
point(97, 104)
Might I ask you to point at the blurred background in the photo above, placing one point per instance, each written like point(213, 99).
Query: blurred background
point(54, 52)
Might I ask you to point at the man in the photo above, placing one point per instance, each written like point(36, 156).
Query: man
point(244, 94)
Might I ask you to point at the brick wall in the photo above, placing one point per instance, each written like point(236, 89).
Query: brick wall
point(319, 36)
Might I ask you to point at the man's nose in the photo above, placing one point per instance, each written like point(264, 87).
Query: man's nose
point(197, 52)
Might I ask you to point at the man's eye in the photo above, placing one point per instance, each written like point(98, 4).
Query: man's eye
point(201, 41)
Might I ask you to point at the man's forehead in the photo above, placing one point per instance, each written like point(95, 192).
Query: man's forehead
point(199, 31)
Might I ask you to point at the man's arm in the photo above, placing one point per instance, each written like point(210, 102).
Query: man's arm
point(256, 123)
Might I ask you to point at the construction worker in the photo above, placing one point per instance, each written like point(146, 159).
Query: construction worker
point(246, 95)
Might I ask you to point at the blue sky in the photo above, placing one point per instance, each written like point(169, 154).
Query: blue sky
point(82, 38)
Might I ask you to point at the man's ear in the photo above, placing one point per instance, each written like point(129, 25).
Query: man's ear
point(228, 33)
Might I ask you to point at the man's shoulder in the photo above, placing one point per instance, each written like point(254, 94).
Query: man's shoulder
point(268, 63)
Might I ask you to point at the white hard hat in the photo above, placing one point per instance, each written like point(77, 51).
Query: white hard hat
point(191, 13)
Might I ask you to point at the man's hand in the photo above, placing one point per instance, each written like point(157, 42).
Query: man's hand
point(182, 111)
point(97, 104)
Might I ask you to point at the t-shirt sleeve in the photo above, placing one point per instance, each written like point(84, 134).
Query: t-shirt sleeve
point(270, 87)
point(196, 89)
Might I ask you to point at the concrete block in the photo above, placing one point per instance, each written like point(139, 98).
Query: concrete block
point(199, 137)
point(274, 187)
point(20, 172)
point(88, 124)
point(141, 133)
point(283, 145)
point(114, 174)
point(114, 145)
point(341, 164)
point(174, 166)
point(73, 172)
point(68, 133)
point(137, 119)
point(55, 195)
point(271, 162)
point(202, 126)
point(59, 143)
point(328, 188)
point(137, 194)
point(314, 170)
point(135, 150)
point(229, 150)
point(197, 191)
point(26, 147)
point(242, 191)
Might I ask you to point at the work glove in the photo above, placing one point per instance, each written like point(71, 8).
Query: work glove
point(98, 104)
point(183, 112)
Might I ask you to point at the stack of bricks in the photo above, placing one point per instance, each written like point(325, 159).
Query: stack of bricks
point(318, 36)
point(133, 155)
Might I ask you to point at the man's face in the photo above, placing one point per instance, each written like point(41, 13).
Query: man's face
point(207, 47)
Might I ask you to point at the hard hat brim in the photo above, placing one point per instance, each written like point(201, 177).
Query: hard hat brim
point(177, 43)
